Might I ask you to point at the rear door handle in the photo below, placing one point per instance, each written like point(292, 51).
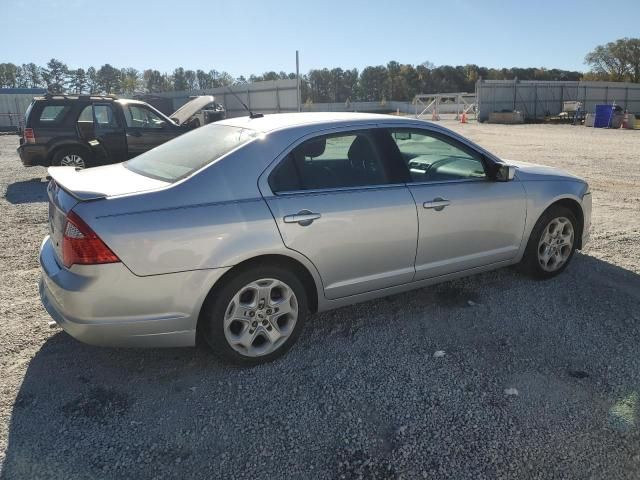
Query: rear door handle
point(437, 204)
point(304, 218)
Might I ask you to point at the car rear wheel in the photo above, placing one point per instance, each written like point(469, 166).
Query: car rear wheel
point(71, 157)
point(552, 243)
point(256, 316)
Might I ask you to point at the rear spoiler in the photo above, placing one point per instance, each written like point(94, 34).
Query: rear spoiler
point(68, 179)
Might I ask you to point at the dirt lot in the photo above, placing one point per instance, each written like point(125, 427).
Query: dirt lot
point(362, 394)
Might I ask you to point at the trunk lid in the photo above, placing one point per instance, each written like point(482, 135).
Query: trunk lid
point(190, 108)
point(101, 182)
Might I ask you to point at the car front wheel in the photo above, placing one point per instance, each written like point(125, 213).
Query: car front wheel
point(256, 316)
point(552, 243)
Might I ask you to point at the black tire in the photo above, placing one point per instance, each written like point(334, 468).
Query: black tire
point(68, 151)
point(211, 323)
point(530, 264)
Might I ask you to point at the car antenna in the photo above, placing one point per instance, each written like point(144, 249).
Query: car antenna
point(251, 114)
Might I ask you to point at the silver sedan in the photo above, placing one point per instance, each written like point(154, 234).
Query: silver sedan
point(239, 230)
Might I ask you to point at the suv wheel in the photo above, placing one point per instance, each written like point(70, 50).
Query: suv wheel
point(256, 316)
point(71, 157)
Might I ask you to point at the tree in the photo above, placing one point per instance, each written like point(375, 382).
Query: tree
point(92, 80)
point(179, 79)
point(204, 79)
point(191, 79)
point(55, 76)
point(129, 80)
point(77, 80)
point(109, 79)
point(8, 75)
point(32, 74)
point(373, 83)
point(617, 61)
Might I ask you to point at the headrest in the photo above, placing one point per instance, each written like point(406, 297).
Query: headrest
point(313, 148)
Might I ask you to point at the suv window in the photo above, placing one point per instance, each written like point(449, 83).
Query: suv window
point(331, 161)
point(433, 158)
point(53, 114)
point(138, 116)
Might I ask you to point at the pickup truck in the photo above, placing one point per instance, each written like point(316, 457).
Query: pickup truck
point(89, 130)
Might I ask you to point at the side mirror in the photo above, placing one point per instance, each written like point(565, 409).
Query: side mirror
point(505, 173)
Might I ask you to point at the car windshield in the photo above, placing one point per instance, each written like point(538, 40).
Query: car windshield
point(181, 157)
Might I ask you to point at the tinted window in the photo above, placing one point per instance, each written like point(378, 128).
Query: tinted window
point(141, 117)
point(333, 161)
point(87, 114)
point(104, 116)
point(52, 114)
point(184, 155)
point(432, 158)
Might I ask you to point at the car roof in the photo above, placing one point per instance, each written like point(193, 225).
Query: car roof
point(279, 121)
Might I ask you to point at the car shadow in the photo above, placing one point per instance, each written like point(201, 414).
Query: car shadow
point(27, 191)
point(570, 343)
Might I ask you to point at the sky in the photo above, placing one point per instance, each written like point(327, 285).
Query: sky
point(253, 36)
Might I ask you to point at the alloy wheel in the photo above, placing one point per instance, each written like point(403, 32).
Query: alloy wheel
point(556, 244)
point(72, 160)
point(260, 317)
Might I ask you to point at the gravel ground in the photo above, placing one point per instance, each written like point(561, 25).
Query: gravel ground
point(494, 376)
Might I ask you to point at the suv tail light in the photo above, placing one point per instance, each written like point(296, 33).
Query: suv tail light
point(29, 136)
point(81, 245)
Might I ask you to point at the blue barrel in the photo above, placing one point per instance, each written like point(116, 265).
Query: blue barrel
point(604, 114)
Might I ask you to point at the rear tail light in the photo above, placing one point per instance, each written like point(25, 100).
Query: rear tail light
point(29, 136)
point(81, 245)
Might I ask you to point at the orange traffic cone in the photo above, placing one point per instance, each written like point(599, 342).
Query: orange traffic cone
point(463, 118)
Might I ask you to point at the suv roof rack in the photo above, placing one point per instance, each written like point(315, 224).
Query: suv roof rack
point(71, 96)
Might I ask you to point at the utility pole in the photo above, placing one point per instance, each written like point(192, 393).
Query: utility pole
point(298, 80)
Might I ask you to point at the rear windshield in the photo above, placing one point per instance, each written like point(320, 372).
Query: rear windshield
point(184, 155)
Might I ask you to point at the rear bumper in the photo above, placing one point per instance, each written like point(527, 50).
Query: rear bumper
point(107, 305)
point(33, 155)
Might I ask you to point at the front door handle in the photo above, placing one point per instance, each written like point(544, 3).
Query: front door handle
point(437, 204)
point(134, 134)
point(304, 218)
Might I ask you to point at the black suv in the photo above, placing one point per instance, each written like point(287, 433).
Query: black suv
point(88, 130)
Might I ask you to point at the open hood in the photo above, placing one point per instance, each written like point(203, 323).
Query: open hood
point(190, 108)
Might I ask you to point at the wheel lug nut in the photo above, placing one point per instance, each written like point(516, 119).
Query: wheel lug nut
point(252, 313)
point(251, 331)
point(254, 324)
point(269, 328)
point(269, 311)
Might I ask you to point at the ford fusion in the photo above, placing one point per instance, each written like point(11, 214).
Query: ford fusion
point(236, 232)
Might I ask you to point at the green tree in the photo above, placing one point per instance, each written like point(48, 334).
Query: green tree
point(191, 79)
point(129, 80)
point(204, 79)
point(611, 61)
point(55, 76)
point(108, 79)
point(32, 73)
point(8, 75)
point(179, 80)
point(77, 80)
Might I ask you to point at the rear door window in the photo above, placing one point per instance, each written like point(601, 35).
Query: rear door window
point(332, 161)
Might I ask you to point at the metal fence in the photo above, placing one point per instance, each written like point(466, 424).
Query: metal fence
point(13, 105)
point(537, 99)
point(272, 96)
